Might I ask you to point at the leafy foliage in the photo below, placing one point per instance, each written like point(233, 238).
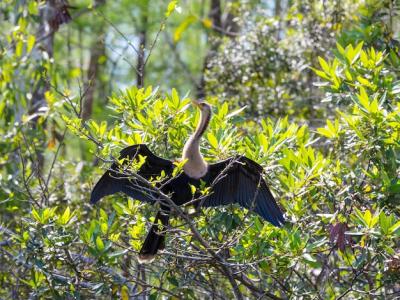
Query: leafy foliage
point(338, 182)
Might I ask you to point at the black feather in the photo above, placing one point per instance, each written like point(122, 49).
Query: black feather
point(235, 180)
point(104, 187)
point(113, 181)
point(242, 184)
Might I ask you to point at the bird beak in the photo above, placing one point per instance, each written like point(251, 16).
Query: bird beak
point(195, 103)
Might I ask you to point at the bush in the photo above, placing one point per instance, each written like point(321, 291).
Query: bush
point(334, 185)
point(338, 183)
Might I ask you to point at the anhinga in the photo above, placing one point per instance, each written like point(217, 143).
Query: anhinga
point(234, 180)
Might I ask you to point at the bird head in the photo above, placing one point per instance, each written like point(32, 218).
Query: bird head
point(201, 104)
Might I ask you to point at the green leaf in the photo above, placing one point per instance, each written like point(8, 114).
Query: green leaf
point(367, 217)
point(66, 217)
point(175, 98)
point(321, 74)
point(324, 65)
point(173, 281)
point(374, 107)
point(363, 98)
point(103, 128)
point(170, 8)
point(36, 216)
point(99, 244)
point(384, 222)
point(349, 53)
point(395, 188)
point(223, 110)
point(33, 8)
point(356, 52)
point(325, 132)
point(212, 140)
point(19, 48)
point(263, 142)
point(94, 126)
point(183, 26)
point(395, 227)
point(104, 227)
point(192, 188)
point(364, 59)
point(348, 75)
point(124, 293)
point(364, 81)
point(340, 48)
point(360, 217)
point(331, 126)
point(30, 43)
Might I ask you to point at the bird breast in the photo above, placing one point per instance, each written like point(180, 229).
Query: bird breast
point(195, 168)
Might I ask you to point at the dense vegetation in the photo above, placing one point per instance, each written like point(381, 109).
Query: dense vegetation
point(308, 89)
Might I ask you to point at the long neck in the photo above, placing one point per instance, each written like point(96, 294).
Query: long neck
point(205, 116)
point(196, 166)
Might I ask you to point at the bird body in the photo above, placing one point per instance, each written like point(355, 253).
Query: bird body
point(234, 180)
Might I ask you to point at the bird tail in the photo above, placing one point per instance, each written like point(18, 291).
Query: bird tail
point(155, 239)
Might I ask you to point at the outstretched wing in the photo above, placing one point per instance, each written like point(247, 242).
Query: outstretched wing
point(239, 180)
point(113, 181)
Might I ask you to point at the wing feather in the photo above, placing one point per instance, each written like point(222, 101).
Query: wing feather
point(241, 182)
point(113, 181)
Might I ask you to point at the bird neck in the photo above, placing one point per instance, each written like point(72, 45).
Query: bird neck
point(196, 166)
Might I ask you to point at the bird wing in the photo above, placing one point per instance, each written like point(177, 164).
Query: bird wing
point(239, 180)
point(114, 181)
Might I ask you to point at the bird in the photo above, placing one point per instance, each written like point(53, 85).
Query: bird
point(237, 179)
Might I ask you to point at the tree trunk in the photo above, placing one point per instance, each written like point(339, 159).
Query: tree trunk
point(52, 15)
point(141, 59)
point(227, 28)
point(215, 16)
point(96, 52)
point(142, 46)
point(215, 13)
point(44, 49)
